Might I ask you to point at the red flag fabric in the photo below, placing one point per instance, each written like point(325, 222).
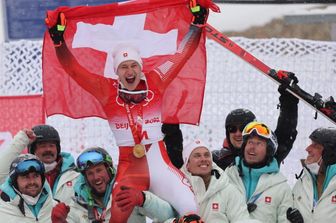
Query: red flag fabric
point(18, 112)
point(156, 27)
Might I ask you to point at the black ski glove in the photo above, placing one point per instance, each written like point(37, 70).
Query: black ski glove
point(56, 32)
point(251, 207)
point(174, 142)
point(190, 218)
point(294, 215)
point(286, 98)
point(200, 13)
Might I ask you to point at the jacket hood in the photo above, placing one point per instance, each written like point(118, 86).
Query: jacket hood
point(68, 162)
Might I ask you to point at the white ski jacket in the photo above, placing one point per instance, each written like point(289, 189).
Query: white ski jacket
point(221, 202)
point(63, 188)
point(273, 195)
point(325, 207)
point(10, 206)
point(154, 208)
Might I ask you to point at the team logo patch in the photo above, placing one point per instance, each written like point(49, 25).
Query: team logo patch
point(333, 199)
point(125, 54)
point(215, 206)
point(69, 184)
point(268, 200)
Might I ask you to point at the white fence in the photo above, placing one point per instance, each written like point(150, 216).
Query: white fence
point(231, 83)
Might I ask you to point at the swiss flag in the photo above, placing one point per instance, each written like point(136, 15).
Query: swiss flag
point(215, 206)
point(156, 27)
point(333, 199)
point(18, 112)
point(268, 200)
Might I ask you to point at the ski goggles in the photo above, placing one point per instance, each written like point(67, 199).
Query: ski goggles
point(260, 128)
point(91, 158)
point(27, 166)
point(234, 128)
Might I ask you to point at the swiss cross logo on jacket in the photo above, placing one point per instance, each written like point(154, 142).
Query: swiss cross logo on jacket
point(268, 200)
point(69, 183)
point(215, 206)
point(333, 199)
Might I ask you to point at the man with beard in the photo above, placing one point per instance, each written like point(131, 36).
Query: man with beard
point(237, 119)
point(314, 192)
point(256, 175)
point(25, 196)
point(92, 201)
point(44, 142)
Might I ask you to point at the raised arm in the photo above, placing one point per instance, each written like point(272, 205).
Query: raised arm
point(287, 122)
point(17, 145)
point(97, 85)
point(165, 73)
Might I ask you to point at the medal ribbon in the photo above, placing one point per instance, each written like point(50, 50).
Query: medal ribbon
point(100, 218)
point(136, 128)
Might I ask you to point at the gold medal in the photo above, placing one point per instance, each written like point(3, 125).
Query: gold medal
point(139, 150)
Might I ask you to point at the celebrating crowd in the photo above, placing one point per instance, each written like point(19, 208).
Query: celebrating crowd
point(158, 177)
point(250, 189)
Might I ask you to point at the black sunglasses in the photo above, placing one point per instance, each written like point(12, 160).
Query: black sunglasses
point(234, 128)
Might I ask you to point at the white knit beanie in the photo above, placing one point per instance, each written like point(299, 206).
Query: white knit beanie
point(124, 53)
point(189, 147)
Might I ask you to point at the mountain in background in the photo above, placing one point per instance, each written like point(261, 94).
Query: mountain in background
point(278, 28)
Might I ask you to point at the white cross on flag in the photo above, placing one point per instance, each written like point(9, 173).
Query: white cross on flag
point(155, 27)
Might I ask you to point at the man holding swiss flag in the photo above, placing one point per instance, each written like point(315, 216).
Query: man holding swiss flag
point(137, 91)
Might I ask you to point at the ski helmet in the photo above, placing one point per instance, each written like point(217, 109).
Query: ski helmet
point(261, 130)
point(238, 117)
point(23, 164)
point(94, 156)
point(327, 138)
point(45, 133)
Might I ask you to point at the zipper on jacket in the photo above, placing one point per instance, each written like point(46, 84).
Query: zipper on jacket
point(250, 183)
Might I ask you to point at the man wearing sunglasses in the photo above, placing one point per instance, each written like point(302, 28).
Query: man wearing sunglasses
point(314, 192)
point(44, 142)
point(92, 201)
point(256, 175)
point(25, 195)
point(237, 119)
